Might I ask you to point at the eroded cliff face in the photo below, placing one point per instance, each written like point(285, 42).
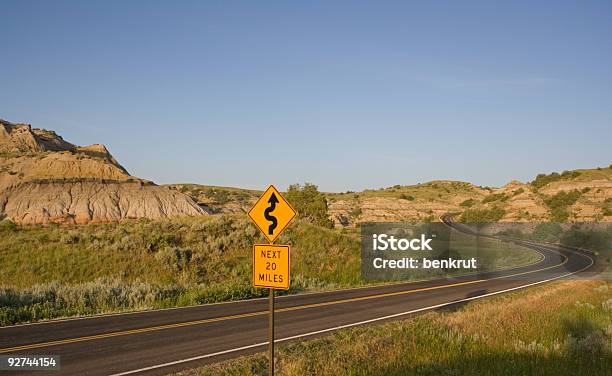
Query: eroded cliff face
point(44, 179)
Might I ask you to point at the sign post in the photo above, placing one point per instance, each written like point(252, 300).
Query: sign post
point(271, 262)
point(271, 333)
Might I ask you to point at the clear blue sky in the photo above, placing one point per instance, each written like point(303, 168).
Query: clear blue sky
point(347, 95)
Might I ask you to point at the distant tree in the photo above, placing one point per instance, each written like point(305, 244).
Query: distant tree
point(310, 204)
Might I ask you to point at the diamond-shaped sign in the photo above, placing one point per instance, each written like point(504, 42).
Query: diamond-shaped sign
point(272, 213)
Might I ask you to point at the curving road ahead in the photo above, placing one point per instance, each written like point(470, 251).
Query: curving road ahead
point(162, 341)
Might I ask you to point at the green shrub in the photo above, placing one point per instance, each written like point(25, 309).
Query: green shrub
point(218, 195)
point(177, 258)
point(7, 225)
point(483, 215)
point(310, 204)
point(406, 197)
point(468, 203)
point(559, 202)
point(542, 179)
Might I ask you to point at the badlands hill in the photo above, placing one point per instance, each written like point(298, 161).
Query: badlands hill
point(579, 195)
point(45, 179)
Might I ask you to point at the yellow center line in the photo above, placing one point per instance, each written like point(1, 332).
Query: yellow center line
point(258, 313)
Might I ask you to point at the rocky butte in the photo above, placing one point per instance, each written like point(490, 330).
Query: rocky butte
point(45, 179)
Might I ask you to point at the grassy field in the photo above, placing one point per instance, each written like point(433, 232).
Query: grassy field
point(49, 272)
point(57, 271)
point(205, 249)
point(561, 328)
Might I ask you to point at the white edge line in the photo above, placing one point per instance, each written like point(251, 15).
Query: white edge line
point(341, 326)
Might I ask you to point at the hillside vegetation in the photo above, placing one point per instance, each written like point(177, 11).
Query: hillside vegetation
point(579, 195)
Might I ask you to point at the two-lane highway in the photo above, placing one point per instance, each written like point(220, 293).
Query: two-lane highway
point(161, 341)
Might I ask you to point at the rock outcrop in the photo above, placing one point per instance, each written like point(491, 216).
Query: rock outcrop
point(45, 179)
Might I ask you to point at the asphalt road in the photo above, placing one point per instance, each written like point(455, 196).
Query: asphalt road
point(162, 341)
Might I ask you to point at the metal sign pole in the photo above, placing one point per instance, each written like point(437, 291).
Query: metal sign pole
point(271, 213)
point(271, 334)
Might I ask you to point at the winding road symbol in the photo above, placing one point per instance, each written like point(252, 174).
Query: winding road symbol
point(272, 201)
point(272, 213)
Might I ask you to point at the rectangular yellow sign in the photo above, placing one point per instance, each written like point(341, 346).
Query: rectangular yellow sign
point(271, 265)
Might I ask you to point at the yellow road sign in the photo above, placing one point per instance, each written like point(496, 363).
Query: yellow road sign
point(272, 213)
point(271, 265)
